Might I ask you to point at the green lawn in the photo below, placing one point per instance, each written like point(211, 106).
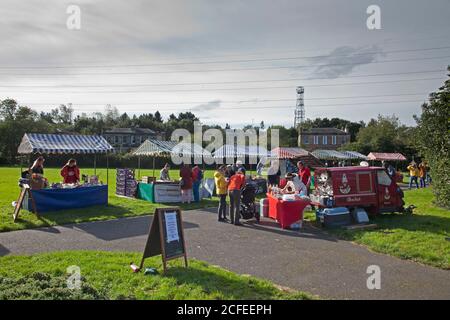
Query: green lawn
point(108, 275)
point(423, 237)
point(118, 206)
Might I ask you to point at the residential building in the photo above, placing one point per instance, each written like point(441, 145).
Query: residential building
point(323, 138)
point(126, 139)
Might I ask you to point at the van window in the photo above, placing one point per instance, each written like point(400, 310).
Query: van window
point(383, 178)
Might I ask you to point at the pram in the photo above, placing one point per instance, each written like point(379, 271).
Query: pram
point(248, 207)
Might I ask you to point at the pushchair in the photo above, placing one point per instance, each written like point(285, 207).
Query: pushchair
point(248, 207)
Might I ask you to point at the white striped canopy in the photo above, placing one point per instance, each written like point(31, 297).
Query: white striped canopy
point(237, 151)
point(354, 155)
point(289, 153)
point(63, 144)
point(151, 147)
point(329, 155)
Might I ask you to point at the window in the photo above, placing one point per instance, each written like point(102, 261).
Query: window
point(316, 139)
point(325, 140)
point(116, 139)
point(133, 139)
point(306, 139)
point(383, 178)
point(334, 139)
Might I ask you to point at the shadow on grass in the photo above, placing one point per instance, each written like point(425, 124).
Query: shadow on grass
point(226, 285)
point(3, 251)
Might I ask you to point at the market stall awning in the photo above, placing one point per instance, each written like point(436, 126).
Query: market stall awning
point(152, 147)
point(237, 151)
point(289, 153)
point(329, 155)
point(63, 144)
point(354, 155)
point(380, 156)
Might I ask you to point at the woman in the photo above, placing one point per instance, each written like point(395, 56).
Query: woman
point(186, 183)
point(38, 167)
point(235, 184)
point(221, 191)
point(70, 172)
point(164, 173)
point(197, 177)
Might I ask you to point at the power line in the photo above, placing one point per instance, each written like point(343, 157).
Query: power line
point(213, 83)
point(219, 61)
point(238, 88)
point(235, 69)
point(227, 101)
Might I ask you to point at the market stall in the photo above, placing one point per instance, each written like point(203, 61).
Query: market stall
point(60, 196)
point(384, 156)
point(286, 209)
point(158, 191)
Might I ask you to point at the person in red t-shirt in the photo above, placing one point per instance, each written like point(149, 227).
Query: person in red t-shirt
point(305, 175)
point(70, 172)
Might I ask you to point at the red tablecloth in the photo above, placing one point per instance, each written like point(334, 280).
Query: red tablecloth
point(286, 212)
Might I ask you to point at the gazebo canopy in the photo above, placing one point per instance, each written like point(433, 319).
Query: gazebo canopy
point(354, 155)
point(380, 156)
point(153, 147)
point(237, 151)
point(329, 155)
point(289, 153)
point(63, 144)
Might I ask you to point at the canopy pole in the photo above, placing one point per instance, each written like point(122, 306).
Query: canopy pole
point(107, 169)
point(154, 167)
point(139, 167)
point(95, 164)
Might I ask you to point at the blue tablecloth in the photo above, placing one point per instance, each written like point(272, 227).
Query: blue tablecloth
point(65, 199)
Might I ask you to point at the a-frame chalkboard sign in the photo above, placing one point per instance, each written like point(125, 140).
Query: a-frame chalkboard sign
point(25, 190)
point(166, 237)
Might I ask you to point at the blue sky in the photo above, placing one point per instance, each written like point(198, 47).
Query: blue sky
point(233, 62)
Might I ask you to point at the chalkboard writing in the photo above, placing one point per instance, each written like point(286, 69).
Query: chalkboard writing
point(166, 236)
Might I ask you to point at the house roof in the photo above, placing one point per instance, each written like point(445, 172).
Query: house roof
point(145, 131)
point(63, 144)
point(325, 131)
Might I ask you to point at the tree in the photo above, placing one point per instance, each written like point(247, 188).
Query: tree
point(433, 140)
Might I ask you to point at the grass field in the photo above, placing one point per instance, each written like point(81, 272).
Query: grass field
point(423, 237)
point(108, 275)
point(118, 207)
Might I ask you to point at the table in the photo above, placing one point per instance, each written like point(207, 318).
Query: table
point(145, 192)
point(286, 212)
point(159, 192)
point(65, 199)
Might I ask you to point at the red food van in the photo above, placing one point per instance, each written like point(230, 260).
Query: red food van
point(370, 188)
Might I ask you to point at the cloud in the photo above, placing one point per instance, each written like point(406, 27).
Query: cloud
point(211, 105)
point(342, 60)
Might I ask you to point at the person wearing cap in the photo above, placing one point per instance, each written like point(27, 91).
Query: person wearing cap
point(239, 165)
point(235, 184)
point(305, 175)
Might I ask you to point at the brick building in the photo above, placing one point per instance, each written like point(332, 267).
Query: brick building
point(323, 138)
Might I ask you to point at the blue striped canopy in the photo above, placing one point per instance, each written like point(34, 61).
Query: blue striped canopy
point(63, 144)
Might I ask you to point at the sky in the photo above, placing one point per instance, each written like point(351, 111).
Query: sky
point(235, 62)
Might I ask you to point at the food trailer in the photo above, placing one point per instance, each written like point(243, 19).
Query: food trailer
point(58, 196)
point(368, 188)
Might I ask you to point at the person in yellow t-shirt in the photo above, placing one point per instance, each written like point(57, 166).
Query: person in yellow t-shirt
point(423, 174)
point(221, 191)
point(413, 174)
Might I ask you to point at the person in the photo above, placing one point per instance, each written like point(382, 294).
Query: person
point(413, 174)
point(38, 166)
point(197, 177)
point(186, 183)
point(235, 184)
point(392, 172)
point(423, 174)
point(221, 191)
point(239, 165)
point(70, 172)
point(299, 185)
point(164, 173)
point(229, 171)
point(305, 175)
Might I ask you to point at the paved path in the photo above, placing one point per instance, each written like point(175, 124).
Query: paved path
point(309, 260)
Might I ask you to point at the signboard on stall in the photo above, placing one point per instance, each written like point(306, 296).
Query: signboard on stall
point(166, 236)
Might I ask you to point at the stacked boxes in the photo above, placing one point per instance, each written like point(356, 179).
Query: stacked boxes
point(126, 185)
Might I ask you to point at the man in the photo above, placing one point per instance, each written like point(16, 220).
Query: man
point(197, 177)
point(221, 191)
point(413, 174)
point(423, 174)
point(164, 173)
point(305, 175)
point(235, 184)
